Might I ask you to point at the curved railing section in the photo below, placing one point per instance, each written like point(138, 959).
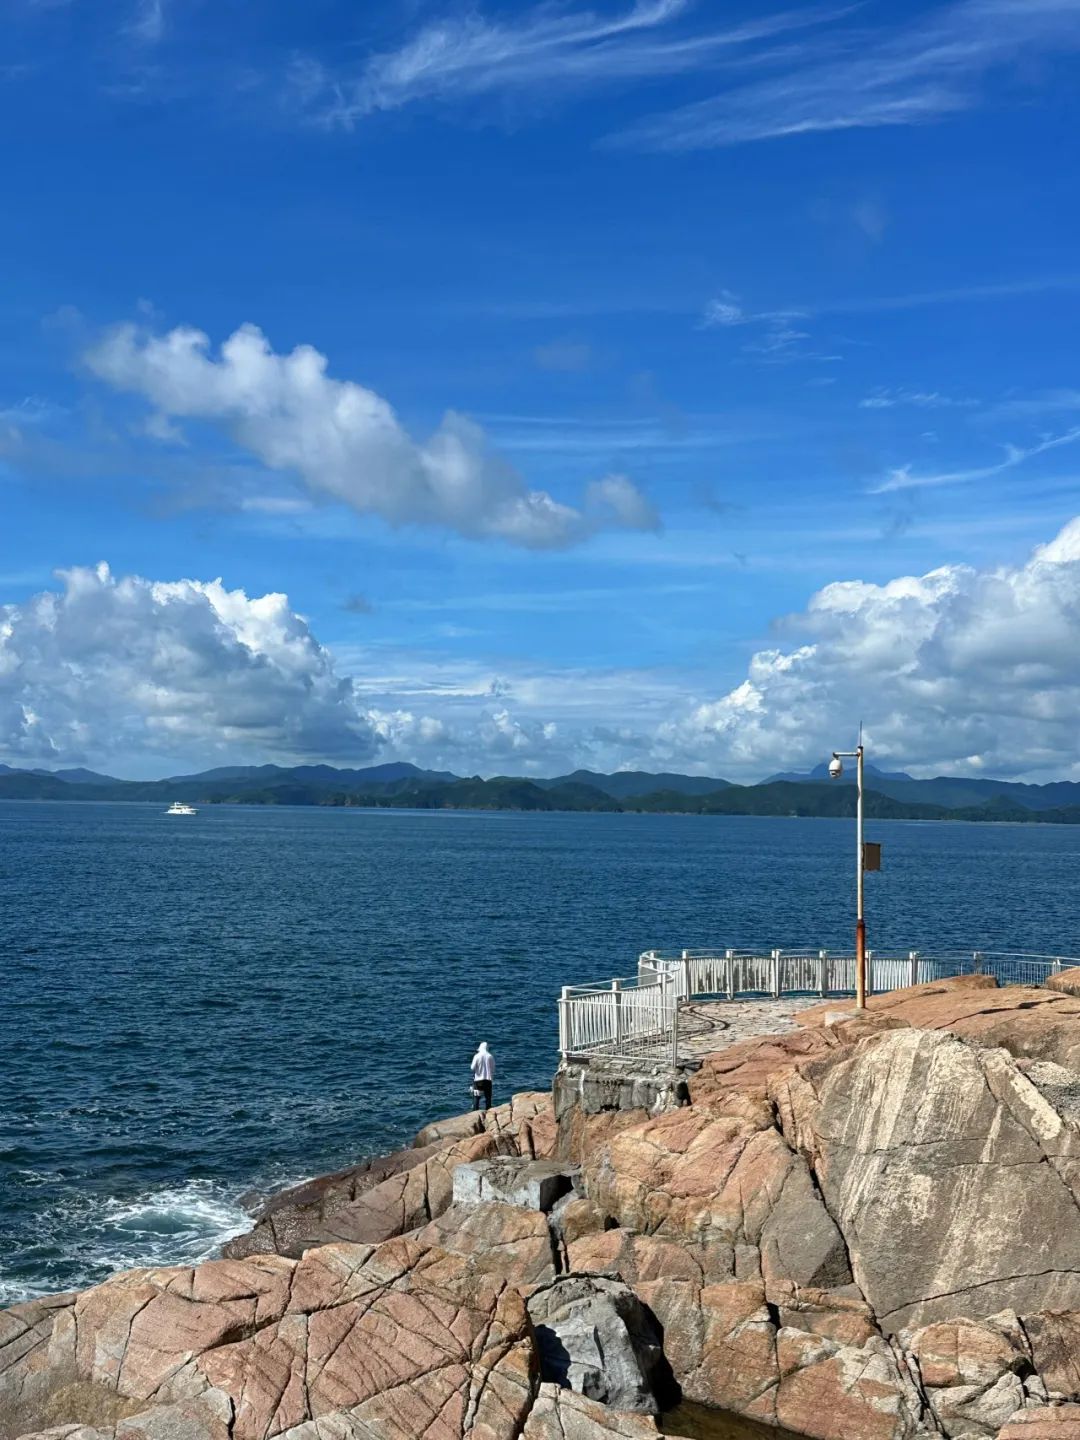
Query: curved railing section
point(638, 1017)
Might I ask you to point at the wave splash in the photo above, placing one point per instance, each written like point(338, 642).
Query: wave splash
point(177, 1225)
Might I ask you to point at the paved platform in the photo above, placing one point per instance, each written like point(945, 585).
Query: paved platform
point(706, 1026)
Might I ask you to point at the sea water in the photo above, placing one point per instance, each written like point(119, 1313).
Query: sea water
point(196, 1008)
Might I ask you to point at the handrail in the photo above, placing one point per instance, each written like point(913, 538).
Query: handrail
point(637, 1015)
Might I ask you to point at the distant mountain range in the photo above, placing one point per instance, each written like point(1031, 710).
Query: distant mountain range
point(890, 795)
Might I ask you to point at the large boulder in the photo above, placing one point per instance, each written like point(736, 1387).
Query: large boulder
point(596, 1338)
point(949, 1173)
point(975, 1375)
point(810, 1362)
point(731, 1182)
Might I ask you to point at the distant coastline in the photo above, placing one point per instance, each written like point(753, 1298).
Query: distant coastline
point(401, 786)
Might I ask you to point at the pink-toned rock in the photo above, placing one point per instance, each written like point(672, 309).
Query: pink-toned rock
point(919, 1005)
point(391, 1194)
point(1060, 1422)
point(407, 1339)
point(827, 1389)
point(411, 1355)
point(737, 1080)
point(1032, 1022)
point(1055, 1351)
point(693, 1176)
point(563, 1415)
point(841, 1314)
point(1066, 982)
point(911, 1134)
point(963, 1352)
point(498, 1239)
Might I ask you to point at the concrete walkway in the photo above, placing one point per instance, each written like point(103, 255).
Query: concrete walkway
point(706, 1026)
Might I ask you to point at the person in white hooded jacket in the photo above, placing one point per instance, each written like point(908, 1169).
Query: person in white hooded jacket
point(483, 1073)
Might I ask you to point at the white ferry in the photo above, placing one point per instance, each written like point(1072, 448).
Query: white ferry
point(179, 808)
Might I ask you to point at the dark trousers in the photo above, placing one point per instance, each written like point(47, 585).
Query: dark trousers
point(481, 1090)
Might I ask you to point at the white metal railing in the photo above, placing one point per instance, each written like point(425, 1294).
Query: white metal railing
point(634, 1017)
point(638, 1017)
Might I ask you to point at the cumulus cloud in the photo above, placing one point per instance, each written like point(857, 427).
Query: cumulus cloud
point(115, 667)
point(345, 442)
point(959, 670)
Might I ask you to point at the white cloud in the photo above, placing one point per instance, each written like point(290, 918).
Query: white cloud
point(725, 311)
point(115, 667)
point(918, 399)
point(903, 479)
point(776, 337)
point(537, 51)
point(345, 442)
point(860, 78)
point(956, 671)
point(959, 670)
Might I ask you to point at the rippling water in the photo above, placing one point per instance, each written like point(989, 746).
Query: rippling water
point(196, 1008)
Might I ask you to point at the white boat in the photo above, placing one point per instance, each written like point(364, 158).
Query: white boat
point(179, 808)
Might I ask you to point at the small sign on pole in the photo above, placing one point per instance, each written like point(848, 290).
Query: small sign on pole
point(871, 852)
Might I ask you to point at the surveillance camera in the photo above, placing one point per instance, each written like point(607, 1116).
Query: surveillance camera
point(836, 768)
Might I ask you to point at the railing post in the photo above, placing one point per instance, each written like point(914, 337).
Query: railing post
point(776, 974)
point(823, 973)
point(869, 972)
point(913, 956)
point(564, 1022)
point(976, 962)
point(616, 1002)
point(686, 975)
point(674, 1027)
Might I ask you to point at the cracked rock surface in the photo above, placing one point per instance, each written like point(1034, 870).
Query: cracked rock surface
point(859, 1230)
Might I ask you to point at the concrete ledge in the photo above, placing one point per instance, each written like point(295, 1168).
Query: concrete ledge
point(529, 1184)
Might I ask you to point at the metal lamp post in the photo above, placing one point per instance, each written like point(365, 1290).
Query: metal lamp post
point(836, 769)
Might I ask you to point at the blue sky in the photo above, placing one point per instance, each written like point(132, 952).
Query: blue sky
point(646, 330)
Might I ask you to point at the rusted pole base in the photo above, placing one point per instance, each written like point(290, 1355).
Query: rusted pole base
point(860, 965)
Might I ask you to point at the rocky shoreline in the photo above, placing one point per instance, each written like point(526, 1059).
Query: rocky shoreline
point(860, 1228)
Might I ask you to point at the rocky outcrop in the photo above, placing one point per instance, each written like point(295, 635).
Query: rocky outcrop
point(866, 1229)
point(389, 1195)
point(952, 1177)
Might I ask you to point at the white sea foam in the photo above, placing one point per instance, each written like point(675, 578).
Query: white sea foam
point(180, 1225)
point(177, 1225)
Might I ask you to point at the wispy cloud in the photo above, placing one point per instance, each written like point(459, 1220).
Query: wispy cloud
point(783, 332)
point(862, 78)
point(147, 22)
point(917, 399)
point(1048, 402)
point(955, 295)
point(778, 335)
point(903, 479)
point(536, 51)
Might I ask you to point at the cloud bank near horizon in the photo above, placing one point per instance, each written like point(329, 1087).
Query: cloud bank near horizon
point(344, 442)
point(960, 670)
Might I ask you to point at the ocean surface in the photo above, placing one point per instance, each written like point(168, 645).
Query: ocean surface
point(196, 1008)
